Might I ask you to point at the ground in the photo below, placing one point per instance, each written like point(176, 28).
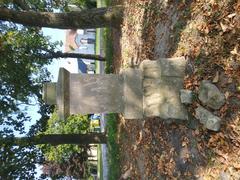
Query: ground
point(207, 33)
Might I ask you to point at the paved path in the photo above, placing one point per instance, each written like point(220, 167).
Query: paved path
point(104, 150)
point(103, 120)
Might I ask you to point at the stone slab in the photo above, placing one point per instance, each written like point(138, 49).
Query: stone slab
point(162, 81)
point(132, 93)
point(173, 67)
point(95, 93)
point(170, 67)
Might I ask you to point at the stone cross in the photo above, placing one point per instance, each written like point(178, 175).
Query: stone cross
point(151, 90)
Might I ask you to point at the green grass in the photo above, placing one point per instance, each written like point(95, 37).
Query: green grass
point(113, 147)
point(108, 47)
point(97, 50)
point(112, 119)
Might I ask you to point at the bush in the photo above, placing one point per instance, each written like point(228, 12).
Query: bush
point(75, 124)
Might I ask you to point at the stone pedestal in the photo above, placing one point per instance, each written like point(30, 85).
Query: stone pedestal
point(151, 90)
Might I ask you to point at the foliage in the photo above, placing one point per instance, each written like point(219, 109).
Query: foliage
point(74, 167)
point(108, 50)
point(17, 162)
point(88, 4)
point(22, 72)
point(74, 124)
point(36, 5)
point(47, 5)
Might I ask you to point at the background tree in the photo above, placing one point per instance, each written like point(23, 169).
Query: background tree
point(74, 124)
point(56, 139)
point(67, 159)
point(58, 149)
point(91, 18)
point(17, 162)
point(76, 166)
point(24, 54)
point(22, 73)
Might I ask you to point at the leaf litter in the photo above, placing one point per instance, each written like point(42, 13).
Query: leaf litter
point(207, 32)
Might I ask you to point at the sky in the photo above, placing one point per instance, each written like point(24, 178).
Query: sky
point(55, 35)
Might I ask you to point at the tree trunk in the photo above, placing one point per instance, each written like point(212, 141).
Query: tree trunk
point(57, 139)
point(60, 54)
point(92, 18)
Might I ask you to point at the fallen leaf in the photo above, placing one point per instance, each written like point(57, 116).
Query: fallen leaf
point(216, 78)
point(230, 80)
point(237, 166)
point(224, 27)
point(235, 51)
point(238, 88)
point(126, 174)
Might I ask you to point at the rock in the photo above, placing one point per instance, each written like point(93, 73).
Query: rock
point(186, 96)
point(210, 95)
point(209, 120)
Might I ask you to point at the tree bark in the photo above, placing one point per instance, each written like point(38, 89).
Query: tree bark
point(57, 139)
point(92, 18)
point(60, 54)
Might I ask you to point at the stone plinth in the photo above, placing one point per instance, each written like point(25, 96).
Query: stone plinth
point(162, 81)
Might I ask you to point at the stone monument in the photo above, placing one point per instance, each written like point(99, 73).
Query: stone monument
point(151, 90)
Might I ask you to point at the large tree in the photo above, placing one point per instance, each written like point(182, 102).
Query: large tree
point(75, 166)
point(24, 54)
point(91, 18)
point(17, 162)
point(56, 139)
point(19, 156)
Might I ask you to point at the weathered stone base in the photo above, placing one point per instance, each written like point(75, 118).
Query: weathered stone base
point(162, 81)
